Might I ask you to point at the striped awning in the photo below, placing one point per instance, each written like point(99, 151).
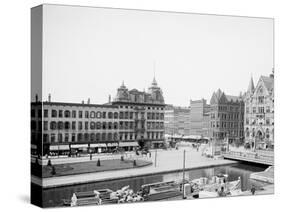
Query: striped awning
point(112, 144)
point(59, 147)
point(125, 144)
point(98, 145)
point(79, 145)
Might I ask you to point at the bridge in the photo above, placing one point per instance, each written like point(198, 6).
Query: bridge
point(260, 157)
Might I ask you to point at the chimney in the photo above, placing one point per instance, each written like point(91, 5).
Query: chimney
point(36, 98)
point(88, 102)
point(49, 97)
point(109, 98)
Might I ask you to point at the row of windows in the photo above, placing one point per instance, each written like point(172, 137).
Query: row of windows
point(258, 109)
point(253, 133)
point(152, 108)
point(224, 116)
point(53, 125)
point(226, 125)
point(98, 114)
point(255, 121)
point(228, 108)
point(80, 137)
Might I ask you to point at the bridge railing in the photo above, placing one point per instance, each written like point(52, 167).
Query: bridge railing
point(253, 156)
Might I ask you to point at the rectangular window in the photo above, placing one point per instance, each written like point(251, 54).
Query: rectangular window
point(73, 125)
point(80, 114)
point(86, 125)
point(73, 114)
point(66, 137)
point(268, 109)
point(54, 113)
point(45, 125)
point(86, 114)
point(80, 127)
point(254, 110)
point(39, 113)
point(60, 113)
point(53, 137)
point(73, 137)
point(45, 113)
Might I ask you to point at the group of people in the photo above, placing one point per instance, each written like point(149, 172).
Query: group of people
point(125, 195)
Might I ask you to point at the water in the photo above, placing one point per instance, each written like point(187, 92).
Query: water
point(54, 196)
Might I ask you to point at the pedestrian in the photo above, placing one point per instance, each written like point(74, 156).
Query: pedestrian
point(253, 190)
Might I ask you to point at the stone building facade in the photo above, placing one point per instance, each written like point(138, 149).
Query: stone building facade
point(227, 117)
point(259, 113)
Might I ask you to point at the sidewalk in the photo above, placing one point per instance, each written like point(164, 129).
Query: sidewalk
point(166, 161)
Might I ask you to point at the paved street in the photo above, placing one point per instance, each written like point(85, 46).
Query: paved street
point(166, 161)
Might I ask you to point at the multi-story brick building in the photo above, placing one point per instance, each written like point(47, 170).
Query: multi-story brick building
point(133, 119)
point(226, 117)
point(259, 113)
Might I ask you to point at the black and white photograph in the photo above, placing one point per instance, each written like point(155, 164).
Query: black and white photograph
point(132, 106)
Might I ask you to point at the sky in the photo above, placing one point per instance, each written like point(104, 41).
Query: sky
point(88, 52)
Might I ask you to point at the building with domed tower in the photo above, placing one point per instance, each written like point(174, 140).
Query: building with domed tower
point(141, 116)
point(259, 113)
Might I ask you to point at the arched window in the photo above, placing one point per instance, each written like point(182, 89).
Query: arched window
point(92, 136)
point(109, 125)
point(103, 137)
point(92, 114)
point(115, 125)
point(67, 114)
point(98, 114)
point(98, 125)
point(67, 125)
point(110, 115)
point(60, 125)
point(109, 136)
point(92, 125)
point(53, 125)
point(116, 115)
point(98, 137)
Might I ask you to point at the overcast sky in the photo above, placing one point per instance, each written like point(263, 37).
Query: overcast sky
point(88, 52)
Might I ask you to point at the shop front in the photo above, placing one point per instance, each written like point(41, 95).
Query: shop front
point(59, 150)
point(129, 146)
point(98, 148)
point(79, 149)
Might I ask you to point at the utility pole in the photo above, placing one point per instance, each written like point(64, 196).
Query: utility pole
point(183, 173)
point(155, 157)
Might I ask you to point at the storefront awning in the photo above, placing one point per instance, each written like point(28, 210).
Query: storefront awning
point(79, 145)
point(59, 147)
point(97, 145)
point(112, 144)
point(123, 144)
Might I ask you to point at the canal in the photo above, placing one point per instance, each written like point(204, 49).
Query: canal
point(53, 197)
